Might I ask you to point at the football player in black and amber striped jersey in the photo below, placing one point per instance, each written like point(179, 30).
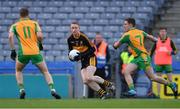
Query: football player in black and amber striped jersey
point(79, 41)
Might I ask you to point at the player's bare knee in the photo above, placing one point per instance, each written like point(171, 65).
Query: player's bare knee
point(126, 73)
point(85, 81)
point(91, 78)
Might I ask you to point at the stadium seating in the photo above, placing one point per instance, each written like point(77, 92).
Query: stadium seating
point(56, 16)
point(87, 3)
point(35, 9)
point(118, 3)
point(56, 3)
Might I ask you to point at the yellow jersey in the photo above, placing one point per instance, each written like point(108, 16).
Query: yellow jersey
point(135, 39)
point(26, 33)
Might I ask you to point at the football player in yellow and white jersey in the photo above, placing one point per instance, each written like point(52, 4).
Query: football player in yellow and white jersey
point(29, 35)
point(135, 39)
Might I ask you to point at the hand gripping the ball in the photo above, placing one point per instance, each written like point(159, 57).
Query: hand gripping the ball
point(74, 55)
point(78, 57)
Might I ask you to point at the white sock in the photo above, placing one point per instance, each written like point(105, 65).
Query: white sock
point(53, 90)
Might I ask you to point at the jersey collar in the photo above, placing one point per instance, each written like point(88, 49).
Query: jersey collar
point(21, 19)
point(132, 28)
point(164, 39)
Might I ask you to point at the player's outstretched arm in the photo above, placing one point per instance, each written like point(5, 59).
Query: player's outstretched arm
point(123, 39)
point(116, 44)
point(151, 37)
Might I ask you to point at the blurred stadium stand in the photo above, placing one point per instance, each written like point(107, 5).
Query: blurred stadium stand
point(94, 15)
point(105, 16)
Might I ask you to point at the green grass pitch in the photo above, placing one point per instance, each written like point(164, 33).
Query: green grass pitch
point(89, 103)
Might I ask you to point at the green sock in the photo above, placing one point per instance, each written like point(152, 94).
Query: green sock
point(131, 86)
point(51, 86)
point(21, 86)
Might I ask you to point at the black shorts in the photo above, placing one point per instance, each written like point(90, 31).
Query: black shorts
point(89, 61)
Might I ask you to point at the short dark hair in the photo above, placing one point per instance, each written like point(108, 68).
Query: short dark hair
point(131, 21)
point(24, 12)
point(163, 28)
point(75, 22)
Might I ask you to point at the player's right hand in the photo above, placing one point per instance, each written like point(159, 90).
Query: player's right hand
point(40, 46)
point(70, 58)
point(115, 45)
point(78, 57)
point(13, 55)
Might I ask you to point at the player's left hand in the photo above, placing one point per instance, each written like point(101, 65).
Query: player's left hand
point(116, 45)
point(40, 46)
point(13, 55)
point(78, 57)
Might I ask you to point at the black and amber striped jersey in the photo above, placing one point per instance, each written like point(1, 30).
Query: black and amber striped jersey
point(82, 44)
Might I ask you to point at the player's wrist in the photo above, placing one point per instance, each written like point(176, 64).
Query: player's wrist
point(155, 39)
point(115, 47)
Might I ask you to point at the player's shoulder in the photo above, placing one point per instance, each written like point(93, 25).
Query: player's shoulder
point(126, 34)
point(29, 21)
point(83, 35)
point(69, 37)
point(170, 39)
point(14, 24)
point(136, 30)
point(34, 21)
point(141, 31)
point(125, 37)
